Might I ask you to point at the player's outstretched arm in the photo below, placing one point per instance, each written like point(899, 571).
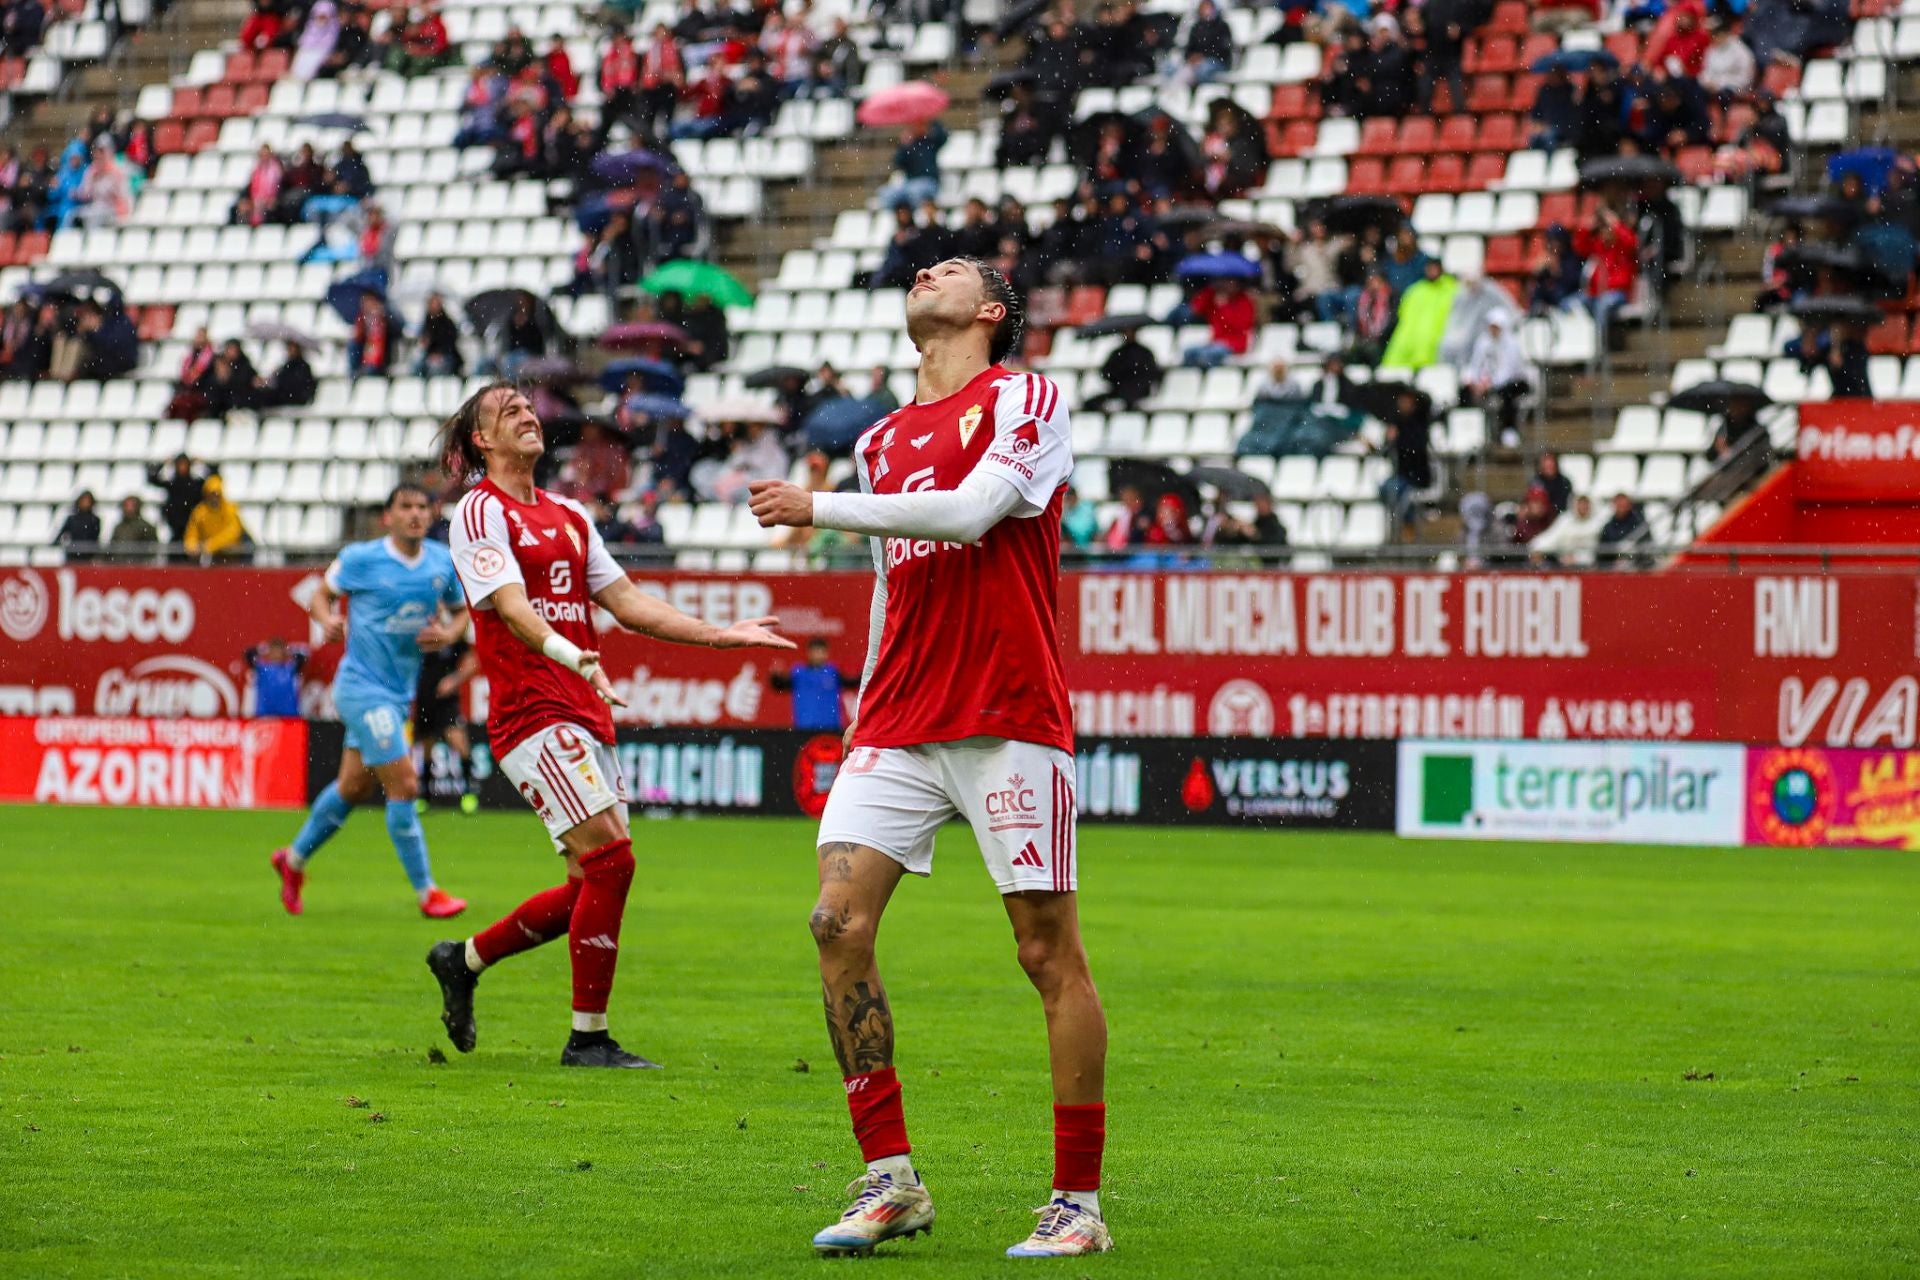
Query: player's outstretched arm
point(648, 615)
point(511, 606)
point(945, 515)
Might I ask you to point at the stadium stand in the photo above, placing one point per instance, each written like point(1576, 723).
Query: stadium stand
point(1268, 108)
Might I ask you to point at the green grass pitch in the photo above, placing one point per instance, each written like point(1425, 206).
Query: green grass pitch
point(1332, 1056)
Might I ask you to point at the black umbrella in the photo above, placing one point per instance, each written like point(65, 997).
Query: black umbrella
point(1125, 322)
point(83, 286)
point(1083, 140)
point(1234, 484)
point(1382, 399)
point(1572, 61)
point(776, 376)
point(1152, 479)
point(1349, 215)
point(1628, 171)
point(1820, 256)
point(1227, 228)
point(1178, 136)
point(836, 426)
point(1716, 395)
point(1813, 209)
point(1837, 310)
point(487, 310)
point(1007, 81)
point(1017, 18)
point(1183, 219)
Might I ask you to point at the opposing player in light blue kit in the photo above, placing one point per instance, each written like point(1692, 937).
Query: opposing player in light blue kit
point(403, 598)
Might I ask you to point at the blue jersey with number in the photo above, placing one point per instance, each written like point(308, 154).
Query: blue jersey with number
point(389, 598)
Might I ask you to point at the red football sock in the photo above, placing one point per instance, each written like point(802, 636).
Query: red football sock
point(878, 1122)
point(1079, 1136)
point(594, 935)
point(541, 918)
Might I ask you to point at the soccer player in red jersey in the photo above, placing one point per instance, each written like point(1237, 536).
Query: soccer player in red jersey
point(533, 566)
point(963, 710)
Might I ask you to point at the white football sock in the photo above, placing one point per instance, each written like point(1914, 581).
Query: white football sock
point(297, 860)
point(898, 1168)
point(1088, 1200)
point(474, 963)
point(589, 1021)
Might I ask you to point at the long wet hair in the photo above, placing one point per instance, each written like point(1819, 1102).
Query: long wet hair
point(459, 456)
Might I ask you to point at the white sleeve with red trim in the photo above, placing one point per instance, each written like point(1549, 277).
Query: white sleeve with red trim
point(602, 568)
point(1032, 446)
point(482, 548)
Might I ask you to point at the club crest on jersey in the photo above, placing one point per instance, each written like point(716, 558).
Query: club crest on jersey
point(969, 423)
point(573, 537)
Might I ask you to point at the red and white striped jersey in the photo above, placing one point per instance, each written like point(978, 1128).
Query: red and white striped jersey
point(970, 643)
point(550, 548)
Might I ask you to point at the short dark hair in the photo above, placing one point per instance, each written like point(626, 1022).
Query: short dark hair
point(1006, 334)
point(459, 456)
point(408, 486)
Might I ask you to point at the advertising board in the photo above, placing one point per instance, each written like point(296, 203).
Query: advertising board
point(1817, 796)
point(196, 764)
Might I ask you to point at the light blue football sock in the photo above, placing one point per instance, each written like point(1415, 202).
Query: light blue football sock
point(329, 811)
point(410, 842)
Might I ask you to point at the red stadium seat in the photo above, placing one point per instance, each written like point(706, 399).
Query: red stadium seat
point(1294, 102)
point(33, 246)
point(1376, 137)
point(1509, 18)
point(12, 70)
point(1485, 169)
point(1780, 79)
point(1367, 176)
point(1537, 46)
point(1506, 256)
point(1458, 134)
point(239, 67)
point(252, 99)
point(1446, 173)
point(1526, 87)
point(1298, 137)
point(1499, 133)
point(169, 137)
point(1407, 174)
point(1558, 206)
point(1889, 337)
point(9, 248)
point(201, 134)
point(1417, 135)
point(1085, 304)
point(1488, 93)
point(1695, 164)
point(1498, 55)
point(186, 103)
point(218, 102)
point(1625, 45)
point(1047, 307)
point(273, 65)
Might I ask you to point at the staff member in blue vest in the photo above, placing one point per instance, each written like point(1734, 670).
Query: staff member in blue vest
point(815, 685)
point(276, 669)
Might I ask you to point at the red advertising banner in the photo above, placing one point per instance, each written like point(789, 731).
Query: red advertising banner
point(1859, 451)
point(1800, 796)
point(178, 763)
point(1788, 658)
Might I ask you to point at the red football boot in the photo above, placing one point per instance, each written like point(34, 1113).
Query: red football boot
point(291, 882)
point(441, 905)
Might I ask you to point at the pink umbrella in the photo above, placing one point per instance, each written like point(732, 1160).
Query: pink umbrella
point(907, 103)
point(633, 337)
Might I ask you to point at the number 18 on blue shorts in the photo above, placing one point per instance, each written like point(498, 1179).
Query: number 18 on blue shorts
point(376, 729)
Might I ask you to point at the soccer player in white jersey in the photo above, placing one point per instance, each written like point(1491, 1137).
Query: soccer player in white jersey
point(963, 710)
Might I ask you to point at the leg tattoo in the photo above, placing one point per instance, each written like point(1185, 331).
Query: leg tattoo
point(861, 1028)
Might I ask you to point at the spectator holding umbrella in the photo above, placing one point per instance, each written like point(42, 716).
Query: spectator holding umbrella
point(1614, 251)
point(1555, 112)
point(917, 161)
point(1132, 374)
point(1227, 308)
point(292, 384)
point(376, 335)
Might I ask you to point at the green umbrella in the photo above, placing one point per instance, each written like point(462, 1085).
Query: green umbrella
point(696, 279)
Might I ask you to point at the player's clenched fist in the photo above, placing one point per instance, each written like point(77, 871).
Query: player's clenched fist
point(775, 502)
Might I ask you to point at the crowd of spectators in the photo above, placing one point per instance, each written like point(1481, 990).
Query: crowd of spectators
point(198, 521)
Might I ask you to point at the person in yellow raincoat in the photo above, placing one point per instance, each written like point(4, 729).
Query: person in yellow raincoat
point(214, 529)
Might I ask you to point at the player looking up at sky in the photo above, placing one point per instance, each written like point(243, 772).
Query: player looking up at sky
point(533, 567)
point(403, 599)
point(963, 709)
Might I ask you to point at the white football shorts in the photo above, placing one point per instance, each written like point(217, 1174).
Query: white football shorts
point(567, 775)
point(1017, 796)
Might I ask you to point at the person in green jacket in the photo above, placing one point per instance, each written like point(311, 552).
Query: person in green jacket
point(1423, 320)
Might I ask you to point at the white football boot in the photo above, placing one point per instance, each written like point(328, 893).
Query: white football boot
point(1065, 1230)
point(882, 1210)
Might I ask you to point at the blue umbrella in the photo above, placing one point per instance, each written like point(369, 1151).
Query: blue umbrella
point(1216, 266)
point(1874, 165)
point(657, 406)
point(344, 295)
point(835, 426)
point(655, 375)
point(1573, 61)
point(334, 120)
point(625, 167)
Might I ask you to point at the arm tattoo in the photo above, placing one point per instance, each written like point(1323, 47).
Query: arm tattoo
point(861, 1028)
